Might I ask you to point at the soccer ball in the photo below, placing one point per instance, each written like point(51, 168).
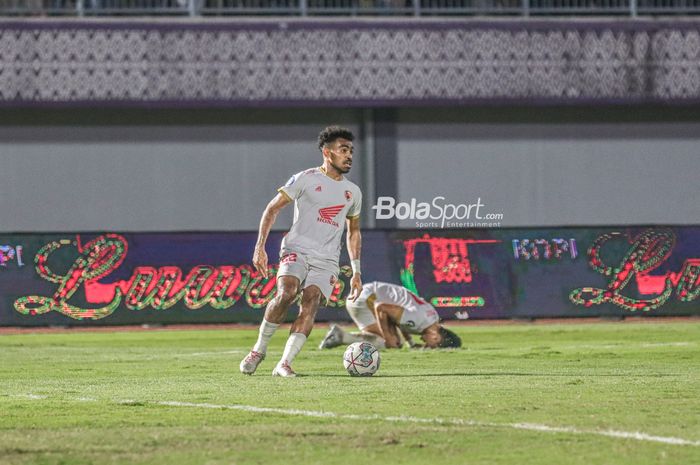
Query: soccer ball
point(361, 359)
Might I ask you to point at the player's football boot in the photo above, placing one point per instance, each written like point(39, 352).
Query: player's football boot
point(333, 338)
point(251, 361)
point(284, 370)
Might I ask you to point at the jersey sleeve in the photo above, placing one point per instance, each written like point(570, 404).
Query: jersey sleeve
point(294, 187)
point(356, 207)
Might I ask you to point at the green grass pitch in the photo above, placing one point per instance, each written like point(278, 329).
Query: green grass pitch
point(602, 393)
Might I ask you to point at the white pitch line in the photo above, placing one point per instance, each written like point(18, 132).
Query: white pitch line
point(616, 346)
point(634, 435)
point(667, 344)
point(29, 396)
point(638, 436)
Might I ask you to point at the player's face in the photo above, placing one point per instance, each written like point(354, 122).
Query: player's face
point(431, 338)
point(340, 155)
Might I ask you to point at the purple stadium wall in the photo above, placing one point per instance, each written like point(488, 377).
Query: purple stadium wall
point(103, 279)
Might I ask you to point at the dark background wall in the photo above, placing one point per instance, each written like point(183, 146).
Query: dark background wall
point(195, 169)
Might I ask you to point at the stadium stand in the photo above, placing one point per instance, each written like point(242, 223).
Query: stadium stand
point(412, 8)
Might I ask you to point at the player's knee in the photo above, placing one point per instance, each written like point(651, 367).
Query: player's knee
point(286, 295)
point(311, 295)
point(373, 329)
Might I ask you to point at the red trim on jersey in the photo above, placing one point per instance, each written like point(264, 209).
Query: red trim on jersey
point(416, 298)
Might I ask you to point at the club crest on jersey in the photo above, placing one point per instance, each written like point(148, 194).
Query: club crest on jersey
point(318, 188)
point(348, 196)
point(328, 214)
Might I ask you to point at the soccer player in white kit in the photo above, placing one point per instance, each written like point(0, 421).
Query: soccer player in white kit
point(324, 201)
point(380, 309)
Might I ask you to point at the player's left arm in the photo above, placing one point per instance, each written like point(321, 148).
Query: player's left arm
point(388, 329)
point(354, 241)
point(388, 316)
point(408, 338)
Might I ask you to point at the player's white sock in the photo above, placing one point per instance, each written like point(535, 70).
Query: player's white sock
point(294, 344)
point(265, 333)
point(376, 341)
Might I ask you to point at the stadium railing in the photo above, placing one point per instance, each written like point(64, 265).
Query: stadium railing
point(346, 7)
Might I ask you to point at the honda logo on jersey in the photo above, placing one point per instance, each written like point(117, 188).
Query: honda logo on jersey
point(326, 215)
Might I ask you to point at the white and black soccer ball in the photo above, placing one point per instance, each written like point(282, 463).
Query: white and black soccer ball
point(361, 359)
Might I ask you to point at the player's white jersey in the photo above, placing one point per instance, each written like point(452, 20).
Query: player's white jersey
point(321, 205)
point(417, 315)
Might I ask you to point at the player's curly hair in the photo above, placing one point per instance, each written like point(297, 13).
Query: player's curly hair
point(449, 339)
point(332, 133)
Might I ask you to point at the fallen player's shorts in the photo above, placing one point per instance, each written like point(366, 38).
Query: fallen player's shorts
point(309, 270)
point(360, 313)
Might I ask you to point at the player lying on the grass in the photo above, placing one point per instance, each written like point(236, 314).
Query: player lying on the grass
point(382, 311)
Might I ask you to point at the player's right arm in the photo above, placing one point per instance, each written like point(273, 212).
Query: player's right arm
point(386, 317)
point(269, 216)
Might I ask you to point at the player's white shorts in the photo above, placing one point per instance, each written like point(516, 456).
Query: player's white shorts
point(310, 271)
point(360, 313)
